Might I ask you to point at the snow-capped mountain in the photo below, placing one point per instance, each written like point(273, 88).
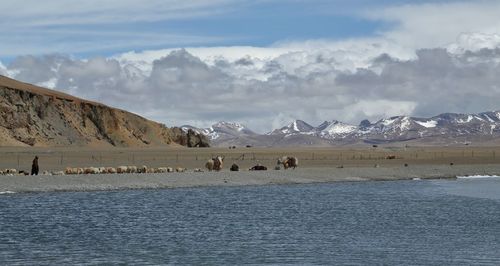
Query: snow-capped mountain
point(327, 129)
point(334, 129)
point(222, 130)
point(296, 127)
point(447, 128)
point(448, 125)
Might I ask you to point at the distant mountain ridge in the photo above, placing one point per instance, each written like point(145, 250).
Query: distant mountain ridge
point(446, 128)
point(221, 130)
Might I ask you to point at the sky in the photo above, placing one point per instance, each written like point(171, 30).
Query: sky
point(263, 63)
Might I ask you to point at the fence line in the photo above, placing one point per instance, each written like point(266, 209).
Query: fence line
point(22, 160)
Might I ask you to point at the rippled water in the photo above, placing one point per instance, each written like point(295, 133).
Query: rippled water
point(403, 222)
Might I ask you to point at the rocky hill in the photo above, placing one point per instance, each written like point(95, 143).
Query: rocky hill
point(35, 116)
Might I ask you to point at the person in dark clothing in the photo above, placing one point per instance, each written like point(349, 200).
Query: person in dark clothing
point(34, 166)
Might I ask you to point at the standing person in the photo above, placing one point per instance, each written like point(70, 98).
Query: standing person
point(34, 166)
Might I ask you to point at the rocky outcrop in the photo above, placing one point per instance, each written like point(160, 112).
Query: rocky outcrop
point(190, 138)
point(34, 116)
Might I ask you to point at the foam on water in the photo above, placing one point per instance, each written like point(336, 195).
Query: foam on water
point(7, 192)
point(477, 176)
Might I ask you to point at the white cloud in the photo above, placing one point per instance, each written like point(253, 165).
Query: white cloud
point(63, 12)
point(474, 42)
point(179, 87)
point(437, 24)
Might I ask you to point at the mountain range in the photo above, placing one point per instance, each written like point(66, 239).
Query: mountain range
point(36, 116)
point(443, 129)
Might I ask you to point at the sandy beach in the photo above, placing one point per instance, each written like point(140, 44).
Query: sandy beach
point(316, 166)
point(226, 178)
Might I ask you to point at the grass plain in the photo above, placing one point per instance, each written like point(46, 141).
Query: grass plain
point(59, 158)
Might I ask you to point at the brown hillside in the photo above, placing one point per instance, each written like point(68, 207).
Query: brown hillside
point(36, 116)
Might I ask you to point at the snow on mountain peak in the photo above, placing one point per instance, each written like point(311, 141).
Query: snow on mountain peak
point(230, 125)
point(466, 120)
point(427, 124)
point(297, 126)
point(339, 128)
point(396, 128)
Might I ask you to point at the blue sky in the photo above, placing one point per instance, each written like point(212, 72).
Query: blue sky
point(90, 31)
point(202, 61)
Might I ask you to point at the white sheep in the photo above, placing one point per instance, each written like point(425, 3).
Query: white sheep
point(110, 170)
point(180, 169)
point(131, 169)
point(143, 169)
point(121, 169)
point(11, 171)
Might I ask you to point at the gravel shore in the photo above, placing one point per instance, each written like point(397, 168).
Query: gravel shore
point(226, 178)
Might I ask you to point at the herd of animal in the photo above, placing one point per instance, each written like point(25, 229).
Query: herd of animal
point(214, 164)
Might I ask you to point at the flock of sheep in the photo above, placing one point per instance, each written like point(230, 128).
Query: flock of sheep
point(102, 170)
point(214, 164)
point(122, 170)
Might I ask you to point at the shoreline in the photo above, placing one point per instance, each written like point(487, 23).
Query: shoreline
point(310, 175)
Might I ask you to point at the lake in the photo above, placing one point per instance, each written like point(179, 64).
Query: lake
point(453, 222)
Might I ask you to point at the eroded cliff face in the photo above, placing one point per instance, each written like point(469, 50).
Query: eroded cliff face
point(34, 116)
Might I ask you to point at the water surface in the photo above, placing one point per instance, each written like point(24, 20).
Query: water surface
point(401, 222)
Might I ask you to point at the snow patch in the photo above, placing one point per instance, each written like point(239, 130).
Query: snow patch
point(388, 121)
point(478, 118)
point(489, 119)
point(497, 114)
point(340, 128)
point(463, 121)
point(405, 124)
point(213, 135)
point(427, 124)
point(231, 125)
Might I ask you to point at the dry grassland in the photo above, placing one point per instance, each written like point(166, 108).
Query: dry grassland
point(60, 158)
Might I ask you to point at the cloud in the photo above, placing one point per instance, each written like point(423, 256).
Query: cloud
point(436, 81)
point(433, 25)
point(180, 88)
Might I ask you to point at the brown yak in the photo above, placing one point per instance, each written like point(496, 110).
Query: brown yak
point(215, 163)
point(288, 161)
